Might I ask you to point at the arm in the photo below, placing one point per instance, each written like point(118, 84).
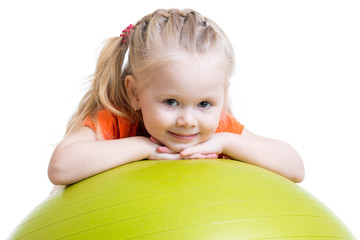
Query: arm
point(274, 155)
point(81, 155)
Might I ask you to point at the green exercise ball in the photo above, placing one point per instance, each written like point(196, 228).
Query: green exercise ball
point(185, 199)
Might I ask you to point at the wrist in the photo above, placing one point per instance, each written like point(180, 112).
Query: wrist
point(221, 141)
point(149, 147)
point(224, 139)
point(144, 146)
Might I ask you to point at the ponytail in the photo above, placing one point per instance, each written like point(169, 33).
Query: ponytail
point(107, 90)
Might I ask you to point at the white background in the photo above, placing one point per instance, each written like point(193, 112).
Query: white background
point(297, 79)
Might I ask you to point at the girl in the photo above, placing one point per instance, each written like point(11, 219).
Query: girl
point(169, 101)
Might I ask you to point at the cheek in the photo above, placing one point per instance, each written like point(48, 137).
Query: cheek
point(211, 123)
point(155, 120)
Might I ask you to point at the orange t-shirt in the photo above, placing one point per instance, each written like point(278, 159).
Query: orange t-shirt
point(115, 127)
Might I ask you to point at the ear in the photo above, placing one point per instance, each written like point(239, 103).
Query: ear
point(132, 91)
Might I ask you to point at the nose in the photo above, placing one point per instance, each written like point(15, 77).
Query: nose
point(187, 118)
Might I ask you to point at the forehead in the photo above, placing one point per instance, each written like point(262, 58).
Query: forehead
point(191, 73)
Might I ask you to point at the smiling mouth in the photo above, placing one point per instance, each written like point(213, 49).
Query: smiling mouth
point(183, 137)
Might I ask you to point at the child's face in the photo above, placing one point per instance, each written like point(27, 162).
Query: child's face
point(182, 102)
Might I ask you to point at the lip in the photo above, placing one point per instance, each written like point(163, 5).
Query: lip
point(183, 137)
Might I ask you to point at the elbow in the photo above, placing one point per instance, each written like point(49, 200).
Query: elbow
point(57, 169)
point(299, 172)
point(55, 175)
point(298, 169)
point(295, 170)
point(298, 177)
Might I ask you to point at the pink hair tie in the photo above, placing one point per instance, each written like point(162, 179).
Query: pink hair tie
point(126, 33)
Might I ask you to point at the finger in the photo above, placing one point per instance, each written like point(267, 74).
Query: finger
point(201, 156)
point(211, 156)
point(164, 149)
point(199, 149)
point(187, 152)
point(154, 140)
point(193, 152)
point(194, 156)
point(166, 156)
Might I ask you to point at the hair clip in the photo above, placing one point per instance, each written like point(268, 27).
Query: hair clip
point(126, 33)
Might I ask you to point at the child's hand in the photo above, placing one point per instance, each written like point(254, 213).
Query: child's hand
point(165, 150)
point(208, 149)
point(162, 152)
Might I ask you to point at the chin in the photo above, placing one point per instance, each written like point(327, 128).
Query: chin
point(178, 147)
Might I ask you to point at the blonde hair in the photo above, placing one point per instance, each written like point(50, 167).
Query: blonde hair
point(155, 39)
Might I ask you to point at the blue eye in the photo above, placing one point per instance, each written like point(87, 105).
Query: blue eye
point(171, 102)
point(204, 104)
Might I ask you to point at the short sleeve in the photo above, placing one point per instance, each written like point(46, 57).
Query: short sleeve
point(104, 123)
point(228, 123)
